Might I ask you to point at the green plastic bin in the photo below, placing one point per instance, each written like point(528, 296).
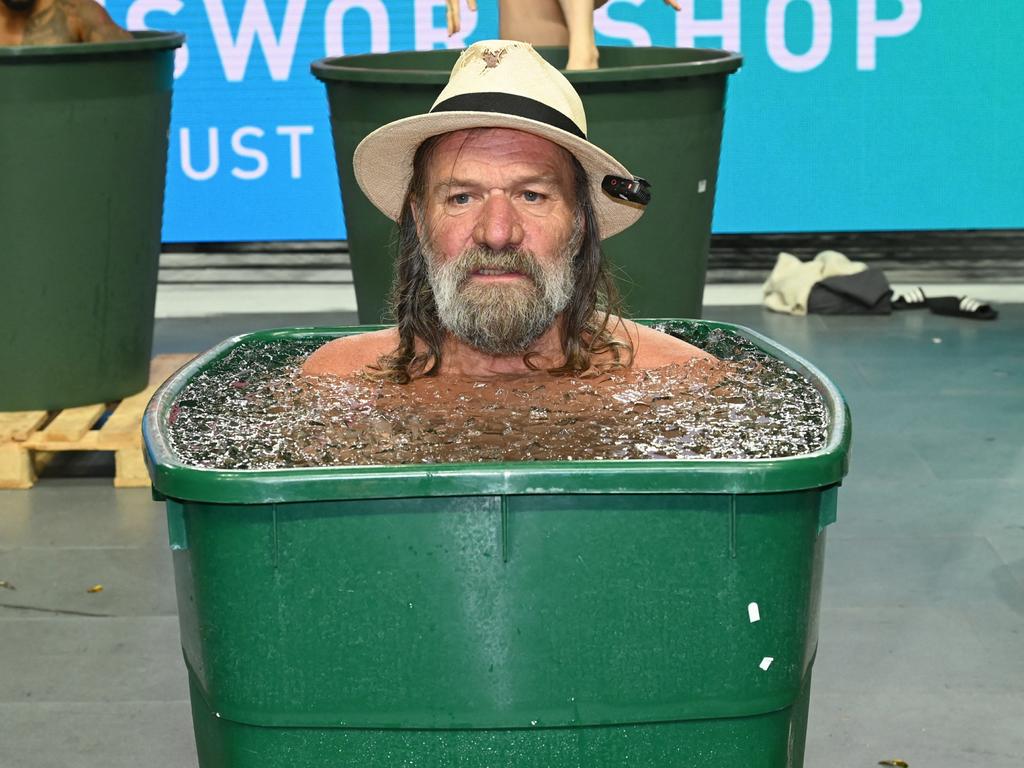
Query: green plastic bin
point(519, 614)
point(83, 153)
point(657, 110)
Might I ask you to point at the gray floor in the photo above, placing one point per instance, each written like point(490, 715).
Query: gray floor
point(921, 652)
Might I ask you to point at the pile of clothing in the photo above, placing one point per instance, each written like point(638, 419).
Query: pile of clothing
point(831, 284)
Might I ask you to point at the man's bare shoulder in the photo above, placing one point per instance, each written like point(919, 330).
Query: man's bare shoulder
point(350, 354)
point(654, 349)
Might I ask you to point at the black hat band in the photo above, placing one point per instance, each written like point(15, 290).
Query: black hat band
point(510, 104)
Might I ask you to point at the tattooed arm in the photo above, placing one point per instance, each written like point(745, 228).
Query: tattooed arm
point(95, 24)
point(71, 21)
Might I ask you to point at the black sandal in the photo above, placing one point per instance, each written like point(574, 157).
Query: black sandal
point(912, 299)
point(962, 306)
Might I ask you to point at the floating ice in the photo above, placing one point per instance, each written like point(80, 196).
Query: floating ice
point(254, 410)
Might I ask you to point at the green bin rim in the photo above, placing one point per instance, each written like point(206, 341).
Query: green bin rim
point(173, 479)
point(148, 40)
point(367, 68)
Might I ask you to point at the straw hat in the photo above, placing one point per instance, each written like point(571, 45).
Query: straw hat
point(494, 84)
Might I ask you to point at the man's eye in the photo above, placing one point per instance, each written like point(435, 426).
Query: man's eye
point(460, 199)
point(532, 197)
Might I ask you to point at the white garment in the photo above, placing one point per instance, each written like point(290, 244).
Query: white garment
point(790, 283)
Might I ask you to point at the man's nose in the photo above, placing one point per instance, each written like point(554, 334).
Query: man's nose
point(499, 225)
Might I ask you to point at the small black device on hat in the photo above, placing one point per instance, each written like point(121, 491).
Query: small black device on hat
point(634, 190)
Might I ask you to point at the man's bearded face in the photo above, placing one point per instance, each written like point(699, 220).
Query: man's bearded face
point(501, 317)
point(20, 6)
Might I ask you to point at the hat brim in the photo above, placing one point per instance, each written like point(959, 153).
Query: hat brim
point(383, 161)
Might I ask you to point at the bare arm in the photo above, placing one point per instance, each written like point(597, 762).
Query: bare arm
point(71, 21)
point(95, 24)
point(49, 25)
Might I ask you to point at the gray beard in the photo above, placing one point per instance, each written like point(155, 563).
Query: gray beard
point(501, 319)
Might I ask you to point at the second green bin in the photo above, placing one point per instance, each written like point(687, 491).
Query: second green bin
point(658, 110)
point(83, 156)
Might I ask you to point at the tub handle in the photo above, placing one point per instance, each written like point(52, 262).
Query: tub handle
point(176, 530)
point(828, 503)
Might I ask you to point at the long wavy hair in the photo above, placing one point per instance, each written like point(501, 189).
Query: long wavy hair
point(586, 320)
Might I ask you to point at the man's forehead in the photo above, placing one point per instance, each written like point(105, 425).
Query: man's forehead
point(503, 142)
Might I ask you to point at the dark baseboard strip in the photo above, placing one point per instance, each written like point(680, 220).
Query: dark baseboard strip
point(907, 256)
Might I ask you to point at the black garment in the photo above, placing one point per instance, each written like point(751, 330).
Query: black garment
point(863, 293)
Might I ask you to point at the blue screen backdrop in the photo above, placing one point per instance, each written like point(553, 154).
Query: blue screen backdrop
point(847, 114)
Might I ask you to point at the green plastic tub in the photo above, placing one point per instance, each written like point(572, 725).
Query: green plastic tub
point(594, 614)
point(657, 110)
point(83, 153)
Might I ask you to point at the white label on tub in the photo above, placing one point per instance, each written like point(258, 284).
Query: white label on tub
point(766, 662)
point(702, 186)
point(753, 612)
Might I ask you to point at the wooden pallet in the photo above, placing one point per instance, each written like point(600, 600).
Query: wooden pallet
point(29, 439)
